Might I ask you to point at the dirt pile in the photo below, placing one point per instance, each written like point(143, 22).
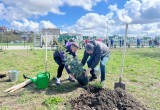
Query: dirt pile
point(104, 99)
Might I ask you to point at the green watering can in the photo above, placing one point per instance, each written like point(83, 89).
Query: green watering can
point(41, 81)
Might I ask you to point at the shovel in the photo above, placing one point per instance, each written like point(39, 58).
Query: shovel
point(120, 84)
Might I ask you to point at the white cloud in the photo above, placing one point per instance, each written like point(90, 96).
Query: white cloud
point(17, 25)
point(158, 25)
point(27, 25)
point(151, 9)
point(86, 4)
point(133, 7)
point(144, 11)
point(143, 30)
point(92, 24)
point(95, 24)
point(24, 9)
point(139, 12)
point(92, 21)
point(113, 7)
point(2, 9)
point(18, 10)
point(123, 16)
point(46, 24)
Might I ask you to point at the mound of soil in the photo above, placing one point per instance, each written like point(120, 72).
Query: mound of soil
point(104, 99)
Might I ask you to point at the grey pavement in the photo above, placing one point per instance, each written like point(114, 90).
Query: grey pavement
point(32, 47)
point(21, 47)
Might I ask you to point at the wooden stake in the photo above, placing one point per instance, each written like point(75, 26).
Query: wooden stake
point(16, 87)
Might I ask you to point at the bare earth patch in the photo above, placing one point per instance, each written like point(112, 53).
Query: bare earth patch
point(104, 99)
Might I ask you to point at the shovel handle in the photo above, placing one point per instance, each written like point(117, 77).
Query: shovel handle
point(123, 54)
point(120, 79)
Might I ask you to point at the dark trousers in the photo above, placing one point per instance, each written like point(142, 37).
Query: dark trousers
point(60, 67)
point(102, 66)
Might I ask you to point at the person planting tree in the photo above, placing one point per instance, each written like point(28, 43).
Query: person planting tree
point(59, 58)
point(98, 52)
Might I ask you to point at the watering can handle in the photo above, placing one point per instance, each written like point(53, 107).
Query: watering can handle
point(48, 74)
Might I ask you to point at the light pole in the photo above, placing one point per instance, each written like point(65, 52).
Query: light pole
point(6, 39)
point(107, 29)
point(24, 40)
point(107, 39)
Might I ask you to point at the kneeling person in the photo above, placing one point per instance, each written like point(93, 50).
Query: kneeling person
point(59, 59)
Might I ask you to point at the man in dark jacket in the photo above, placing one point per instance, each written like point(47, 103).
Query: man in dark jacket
point(59, 59)
point(98, 52)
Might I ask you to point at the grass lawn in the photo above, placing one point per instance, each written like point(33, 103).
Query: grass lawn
point(141, 76)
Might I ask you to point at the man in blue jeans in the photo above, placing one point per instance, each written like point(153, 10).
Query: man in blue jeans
point(98, 52)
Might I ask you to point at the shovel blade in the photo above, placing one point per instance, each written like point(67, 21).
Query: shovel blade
point(120, 85)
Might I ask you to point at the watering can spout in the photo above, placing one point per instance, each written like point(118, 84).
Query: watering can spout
point(34, 79)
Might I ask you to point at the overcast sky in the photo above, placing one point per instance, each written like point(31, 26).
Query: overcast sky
point(88, 17)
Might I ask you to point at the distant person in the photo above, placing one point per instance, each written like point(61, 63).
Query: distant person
point(112, 42)
point(155, 42)
point(43, 42)
point(138, 42)
point(96, 52)
point(120, 43)
point(150, 43)
point(59, 59)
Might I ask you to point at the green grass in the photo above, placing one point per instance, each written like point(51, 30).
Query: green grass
point(52, 102)
point(98, 84)
point(141, 76)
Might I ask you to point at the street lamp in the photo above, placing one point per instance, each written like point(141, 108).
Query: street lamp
point(107, 36)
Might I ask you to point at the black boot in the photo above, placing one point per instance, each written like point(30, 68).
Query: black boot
point(93, 78)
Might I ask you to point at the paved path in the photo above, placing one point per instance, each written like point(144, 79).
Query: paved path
point(21, 47)
point(30, 47)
